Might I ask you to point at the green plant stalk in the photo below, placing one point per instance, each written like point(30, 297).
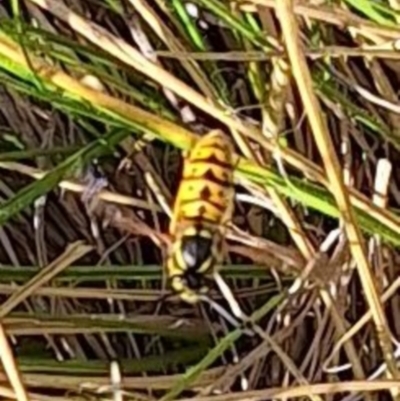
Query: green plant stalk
point(155, 363)
point(58, 50)
point(74, 107)
point(21, 274)
point(370, 9)
point(314, 197)
point(32, 153)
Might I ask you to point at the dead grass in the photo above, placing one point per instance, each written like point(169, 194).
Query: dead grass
point(117, 89)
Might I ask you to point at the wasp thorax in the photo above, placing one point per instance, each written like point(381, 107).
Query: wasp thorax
point(193, 280)
point(195, 251)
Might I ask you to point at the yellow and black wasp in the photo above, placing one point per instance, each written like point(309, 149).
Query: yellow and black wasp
point(202, 209)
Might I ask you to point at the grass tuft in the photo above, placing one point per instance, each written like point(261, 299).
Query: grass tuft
point(99, 102)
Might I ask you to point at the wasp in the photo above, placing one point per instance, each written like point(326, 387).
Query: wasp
point(203, 206)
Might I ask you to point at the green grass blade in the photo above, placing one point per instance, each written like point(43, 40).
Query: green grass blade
point(26, 196)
